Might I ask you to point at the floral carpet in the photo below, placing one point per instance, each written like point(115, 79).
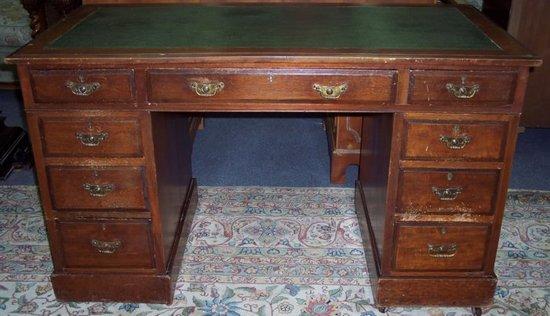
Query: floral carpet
point(271, 251)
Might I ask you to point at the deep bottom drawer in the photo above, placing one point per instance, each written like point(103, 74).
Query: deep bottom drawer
point(440, 247)
point(106, 244)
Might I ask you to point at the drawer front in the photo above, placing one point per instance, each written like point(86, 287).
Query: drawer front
point(447, 191)
point(83, 86)
point(91, 137)
point(455, 140)
point(233, 85)
point(440, 247)
point(106, 244)
point(84, 188)
point(462, 87)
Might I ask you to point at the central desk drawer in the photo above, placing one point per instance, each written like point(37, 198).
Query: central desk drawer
point(106, 188)
point(441, 247)
point(200, 85)
point(94, 136)
point(106, 244)
point(83, 86)
point(447, 191)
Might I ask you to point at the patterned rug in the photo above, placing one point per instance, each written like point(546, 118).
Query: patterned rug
point(271, 251)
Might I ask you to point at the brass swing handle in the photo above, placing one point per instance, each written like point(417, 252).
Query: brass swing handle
point(98, 190)
point(83, 89)
point(106, 246)
point(463, 91)
point(458, 142)
point(442, 251)
point(206, 89)
point(446, 194)
point(92, 140)
point(330, 92)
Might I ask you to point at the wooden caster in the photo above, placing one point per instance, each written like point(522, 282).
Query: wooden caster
point(476, 311)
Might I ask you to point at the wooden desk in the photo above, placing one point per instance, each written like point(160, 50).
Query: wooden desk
point(110, 94)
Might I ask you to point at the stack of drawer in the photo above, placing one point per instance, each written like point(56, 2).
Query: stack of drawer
point(450, 184)
point(92, 170)
point(98, 206)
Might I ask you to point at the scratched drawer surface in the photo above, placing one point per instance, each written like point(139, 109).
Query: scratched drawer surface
point(440, 247)
point(256, 85)
point(455, 140)
point(447, 191)
point(483, 88)
point(109, 188)
point(91, 136)
point(83, 86)
point(106, 244)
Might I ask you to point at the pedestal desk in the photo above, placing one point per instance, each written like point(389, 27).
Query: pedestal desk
point(110, 94)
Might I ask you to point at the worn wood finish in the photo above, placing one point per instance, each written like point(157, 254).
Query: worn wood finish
point(432, 248)
point(484, 140)
point(421, 191)
point(411, 141)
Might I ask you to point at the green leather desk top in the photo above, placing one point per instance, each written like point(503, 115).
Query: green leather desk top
point(276, 27)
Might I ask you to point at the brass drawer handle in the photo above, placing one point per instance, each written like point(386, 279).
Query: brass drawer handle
point(447, 194)
point(92, 140)
point(442, 251)
point(330, 92)
point(206, 89)
point(455, 142)
point(106, 246)
point(98, 190)
point(463, 91)
point(82, 89)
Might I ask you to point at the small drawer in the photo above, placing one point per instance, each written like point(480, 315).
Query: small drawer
point(447, 191)
point(454, 140)
point(108, 188)
point(440, 247)
point(481, 88)
point(91, 136)
point(106, 244)
point(83, 86)
point(276, 85)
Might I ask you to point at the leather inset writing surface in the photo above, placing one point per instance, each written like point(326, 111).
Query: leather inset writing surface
point(277, 27)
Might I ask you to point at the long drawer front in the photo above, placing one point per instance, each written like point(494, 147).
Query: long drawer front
point(199, 85)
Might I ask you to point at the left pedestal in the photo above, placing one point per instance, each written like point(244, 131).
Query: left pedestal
point(118, 199)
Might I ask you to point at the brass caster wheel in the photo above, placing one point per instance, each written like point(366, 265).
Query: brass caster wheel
point(476, 311)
